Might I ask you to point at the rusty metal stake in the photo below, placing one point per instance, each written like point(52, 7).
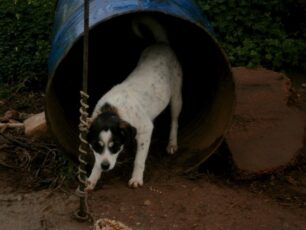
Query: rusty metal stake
point(83, 212)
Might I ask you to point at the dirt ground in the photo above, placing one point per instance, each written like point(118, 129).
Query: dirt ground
point(37, 188)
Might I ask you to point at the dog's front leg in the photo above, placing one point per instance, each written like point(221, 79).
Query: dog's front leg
point(93, 178)
point(143, 144)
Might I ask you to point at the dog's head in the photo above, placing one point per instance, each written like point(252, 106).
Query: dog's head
point(107, 137)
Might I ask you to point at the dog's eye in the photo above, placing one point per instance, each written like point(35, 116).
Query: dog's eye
point(115, 147)
point(98, 147)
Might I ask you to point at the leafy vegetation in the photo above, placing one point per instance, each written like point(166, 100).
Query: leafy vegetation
point(24, 42)
point(267, 33)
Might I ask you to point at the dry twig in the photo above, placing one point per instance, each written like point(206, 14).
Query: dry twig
point(4, 126)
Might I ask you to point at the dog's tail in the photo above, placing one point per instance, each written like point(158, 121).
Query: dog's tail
point(141, 25)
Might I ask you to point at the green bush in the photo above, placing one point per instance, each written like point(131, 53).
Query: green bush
point(25, 41)
point(257, 32)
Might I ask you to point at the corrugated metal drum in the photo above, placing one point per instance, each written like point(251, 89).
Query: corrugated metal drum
point(208, 88)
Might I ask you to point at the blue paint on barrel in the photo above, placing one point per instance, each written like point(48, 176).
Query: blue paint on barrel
point(208, 86)
point(68, 25)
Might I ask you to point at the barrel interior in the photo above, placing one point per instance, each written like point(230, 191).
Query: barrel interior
point(208, 89)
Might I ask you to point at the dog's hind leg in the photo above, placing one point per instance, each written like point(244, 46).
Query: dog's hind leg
point(176, 107)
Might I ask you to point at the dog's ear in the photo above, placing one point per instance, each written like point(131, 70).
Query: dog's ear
point(128, 131)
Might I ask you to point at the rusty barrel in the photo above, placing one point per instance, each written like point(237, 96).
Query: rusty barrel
point(208, 86)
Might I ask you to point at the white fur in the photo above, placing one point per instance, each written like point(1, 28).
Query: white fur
point(142, 96)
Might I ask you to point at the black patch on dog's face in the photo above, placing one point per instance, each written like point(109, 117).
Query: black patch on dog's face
point(122, 132)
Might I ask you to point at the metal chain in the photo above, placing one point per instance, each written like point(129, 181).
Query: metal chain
point(83, 212)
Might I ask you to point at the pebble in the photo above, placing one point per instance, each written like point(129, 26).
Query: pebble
point(147, 203)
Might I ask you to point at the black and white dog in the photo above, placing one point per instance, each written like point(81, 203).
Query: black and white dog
point(127, 111)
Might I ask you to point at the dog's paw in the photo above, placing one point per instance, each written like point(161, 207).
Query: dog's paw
point(89, 186)
point(171, 148)
point(135, 182)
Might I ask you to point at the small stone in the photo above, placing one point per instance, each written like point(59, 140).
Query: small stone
point(36, 126)
point(19, 198)
point(147, 203)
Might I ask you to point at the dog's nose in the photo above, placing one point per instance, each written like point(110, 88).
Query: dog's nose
point(105, 165)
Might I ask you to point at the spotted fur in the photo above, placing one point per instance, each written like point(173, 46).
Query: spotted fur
point(136, 102)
